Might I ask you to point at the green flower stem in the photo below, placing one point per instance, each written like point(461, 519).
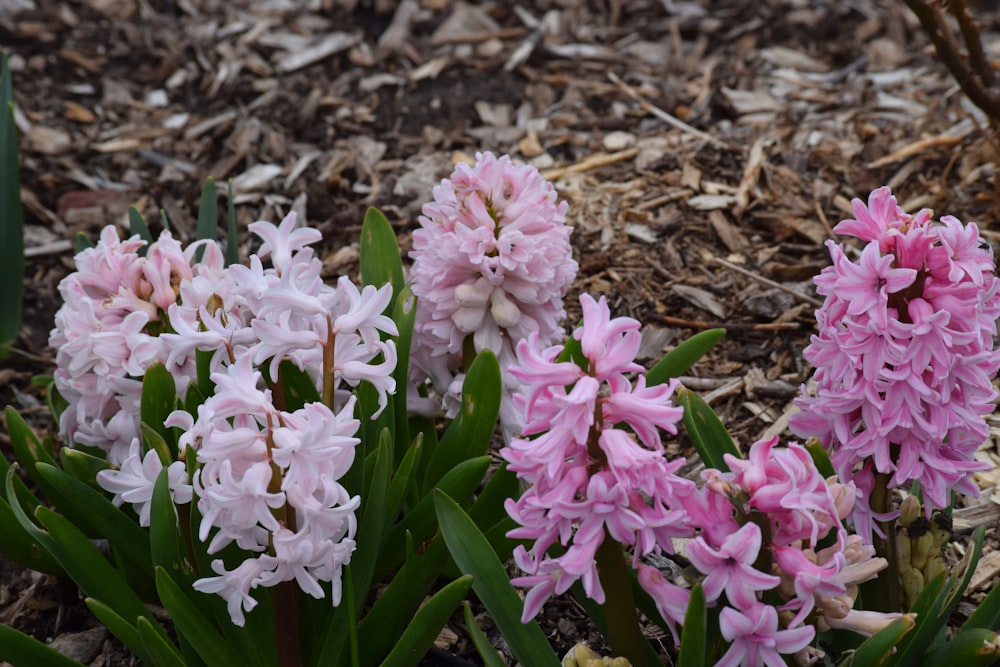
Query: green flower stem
point(624, 634)
point(883, 592)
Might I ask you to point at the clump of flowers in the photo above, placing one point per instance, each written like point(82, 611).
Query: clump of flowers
point(904, 354)
point(491, 265)
point(765, 539)
point(267, 475)
point(590, 481)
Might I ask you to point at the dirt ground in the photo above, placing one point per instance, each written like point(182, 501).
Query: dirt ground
point(706, 149)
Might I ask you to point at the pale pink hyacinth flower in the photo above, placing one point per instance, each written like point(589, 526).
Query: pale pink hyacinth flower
point(755, 638)
point(904, 355)
point(491, 263)
point(268, 480)
point(588, 480)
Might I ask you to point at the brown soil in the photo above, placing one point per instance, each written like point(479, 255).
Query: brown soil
point(706, 149)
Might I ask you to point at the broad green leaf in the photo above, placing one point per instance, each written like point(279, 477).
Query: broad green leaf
point(820, 458)
point(380, 260)
point(82, 466)
point(472, 430)
point(152, 440)
point(11, 218)
point(17, 648)
point(393, 610)
point(483, 646)
point(573, 351)
point(488, 509)
point(709, 437)
point(470, 550)
point(102, 518)
point(676, 362)
point(693, 640)
point(969, 648)
point(371, 525)
point(232, 238)
point(426, 624)
point(159, 399)
point(877, 649)
point(208, 215)
point(160, 650)
point(402, 480)
point(987, 613)
point(18, 546)
point(194, 625)
point(459, 483)
point(119, 627)
point(138, 226)
point(79, 558)
point(404, 315)
point(164, 538)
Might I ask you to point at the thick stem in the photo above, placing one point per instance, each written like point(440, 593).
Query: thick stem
point(285, 598)
point(624, 633)
point(328, 374)
point(883, 592)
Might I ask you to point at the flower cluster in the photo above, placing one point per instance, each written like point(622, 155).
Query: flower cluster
point(904, 354)
point(762, 527)
point(491, 265)
point(591, 480)
point(105, 334)
point(267, 475)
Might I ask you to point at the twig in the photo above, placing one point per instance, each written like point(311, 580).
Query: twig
point(590, 162)
point(770, 283)
point(915, 148)
point(665, 117)
point(935, 26)
point(741, 326)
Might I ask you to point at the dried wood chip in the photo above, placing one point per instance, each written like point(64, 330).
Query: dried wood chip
point(118, 145)
point(711, 202)
point(751, 101)
point(255, 178)
point(641, 233)
point(321, 48)
point(464, 20)
point(730, 236)
point(48, 140)
point(785, 57)
point(987, 569)
point(78, 113)
point(701, 298)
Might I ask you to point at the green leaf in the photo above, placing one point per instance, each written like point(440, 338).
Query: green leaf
point(426, 624)
point(483, 646)
point(402, 480)
point(470, 550)
point(232, 238)
point(460, 483)
point(164, 539)
point(877, 649)
point(694, 638)
point(297, 387)
point(472, 430)
point(196, 628)
point(119, 627)
point(404, 315)
point(19, 649)
point(82, 242)
point(820, 458)
point(676, 362)
point(380, 260)
point(709, 437)
point(372, 526)
point(159, 399)
point(18, 545)
point(11, 218)
point(79, 558)
point(208, 216)
point(101, 517)
point(987, 613)
point(82, 466)
point(137, 226)
point(969, 648)
point(936, 602)
point(161, 651)
point(393, 610)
